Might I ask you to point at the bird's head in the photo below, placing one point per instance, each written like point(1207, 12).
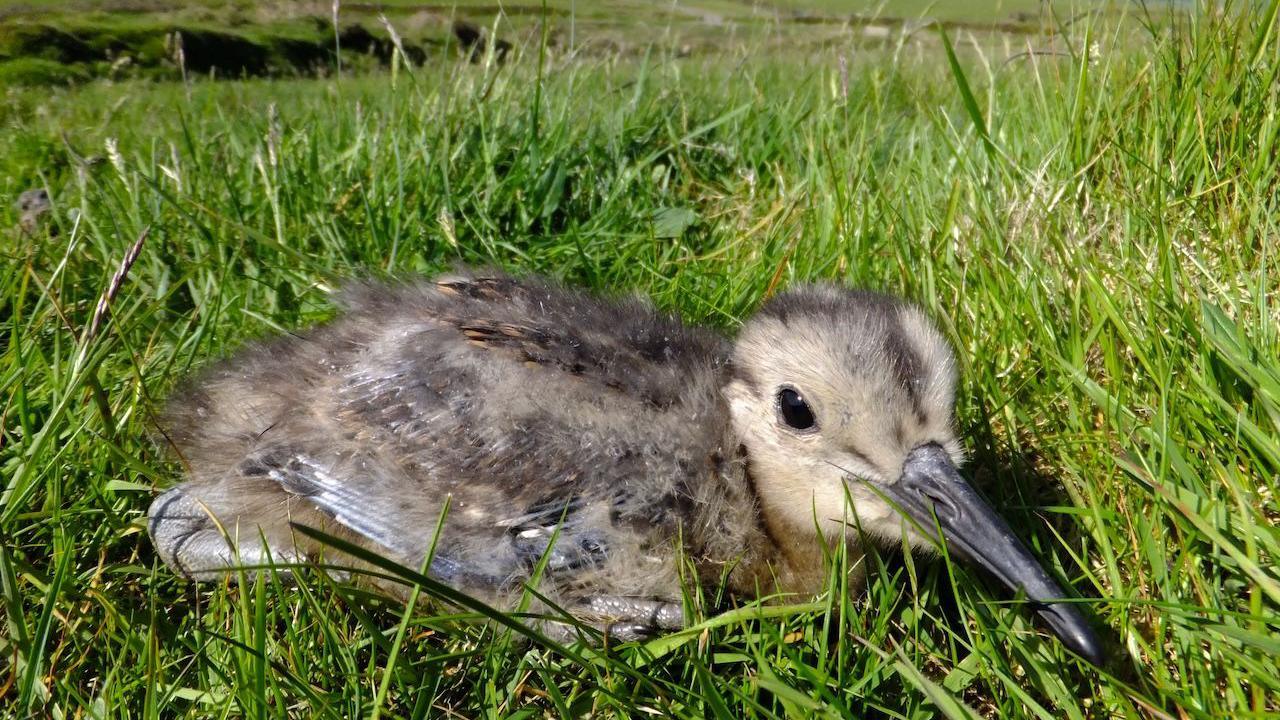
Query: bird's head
point(844, 400)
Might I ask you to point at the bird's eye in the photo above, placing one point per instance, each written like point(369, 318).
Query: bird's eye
point(795, 411)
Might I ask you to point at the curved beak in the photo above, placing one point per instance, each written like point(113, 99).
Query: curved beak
point(931, 486)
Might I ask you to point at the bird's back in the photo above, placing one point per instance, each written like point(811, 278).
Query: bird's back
point(533, 408)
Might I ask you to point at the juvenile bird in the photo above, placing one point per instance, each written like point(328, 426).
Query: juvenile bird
point(543, 413)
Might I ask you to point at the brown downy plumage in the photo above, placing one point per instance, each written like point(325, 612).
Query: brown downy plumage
point(539, 411)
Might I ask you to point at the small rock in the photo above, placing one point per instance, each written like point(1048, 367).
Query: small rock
point(32, 205)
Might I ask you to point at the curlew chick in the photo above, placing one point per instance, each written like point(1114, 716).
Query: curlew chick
point(589, 435)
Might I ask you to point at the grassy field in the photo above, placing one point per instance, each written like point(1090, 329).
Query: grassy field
point(43, 43)
point(1094, 223)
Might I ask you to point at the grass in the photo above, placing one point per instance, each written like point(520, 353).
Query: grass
point(969, 9)
point(1095, 229)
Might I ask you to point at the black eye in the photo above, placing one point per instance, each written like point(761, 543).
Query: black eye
point(795, 411)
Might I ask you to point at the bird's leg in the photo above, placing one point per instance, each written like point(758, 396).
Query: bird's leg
point(631, 619)
point(657, 615)
point(189, 541)
point(618, 618)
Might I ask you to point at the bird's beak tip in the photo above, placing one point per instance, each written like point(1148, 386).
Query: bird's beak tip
point(931, 490)
point(1074, 632)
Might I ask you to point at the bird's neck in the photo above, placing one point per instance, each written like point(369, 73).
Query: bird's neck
point(758, 536)
point(799, 554)
point(802, 559)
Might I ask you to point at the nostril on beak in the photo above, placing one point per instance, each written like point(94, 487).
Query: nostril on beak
point(943, 507)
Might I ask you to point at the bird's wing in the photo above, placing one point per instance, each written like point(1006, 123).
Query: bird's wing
point(373, 502)
point(367, 506)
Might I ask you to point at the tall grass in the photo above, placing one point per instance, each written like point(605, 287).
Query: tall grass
point(1096, 230)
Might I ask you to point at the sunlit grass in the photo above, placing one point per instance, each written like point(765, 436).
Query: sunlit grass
point(1096, 232)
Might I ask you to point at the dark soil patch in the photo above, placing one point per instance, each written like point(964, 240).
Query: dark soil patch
point(57, 53)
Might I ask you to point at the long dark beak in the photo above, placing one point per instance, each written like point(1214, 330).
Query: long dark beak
point(930, 485)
